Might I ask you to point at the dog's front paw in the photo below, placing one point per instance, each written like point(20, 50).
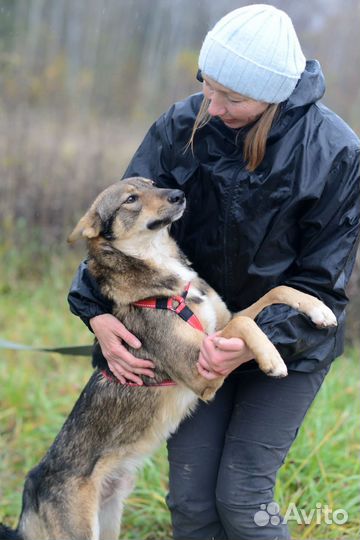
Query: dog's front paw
point(322, 316)
point(210, 389)
point(208, 394)
point(273, 365)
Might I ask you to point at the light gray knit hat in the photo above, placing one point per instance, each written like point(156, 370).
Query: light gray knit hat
point(254, 50)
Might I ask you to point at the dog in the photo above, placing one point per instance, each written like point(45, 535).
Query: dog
point(78, 489)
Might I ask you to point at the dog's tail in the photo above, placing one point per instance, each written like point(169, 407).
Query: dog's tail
point(9, 534)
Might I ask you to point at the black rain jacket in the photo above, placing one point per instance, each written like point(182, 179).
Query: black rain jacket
point(293, 221)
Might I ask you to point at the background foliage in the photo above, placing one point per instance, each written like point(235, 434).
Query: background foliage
point(81, 81)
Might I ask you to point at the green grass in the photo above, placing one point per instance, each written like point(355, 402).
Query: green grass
point(323, 465)
point(38, 390)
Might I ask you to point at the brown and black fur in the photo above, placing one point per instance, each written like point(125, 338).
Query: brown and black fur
point(77, 490)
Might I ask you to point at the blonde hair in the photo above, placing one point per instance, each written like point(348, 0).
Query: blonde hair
point(255, 139)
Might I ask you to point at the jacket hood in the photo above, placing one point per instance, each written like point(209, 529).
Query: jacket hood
point(310, 88)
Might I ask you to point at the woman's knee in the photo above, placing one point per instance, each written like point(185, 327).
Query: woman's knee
point(252, 520)
point(194, 518)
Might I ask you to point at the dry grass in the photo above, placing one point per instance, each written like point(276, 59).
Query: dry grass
point(52, 167)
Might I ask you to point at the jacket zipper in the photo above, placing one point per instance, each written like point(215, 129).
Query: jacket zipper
point(226, 234)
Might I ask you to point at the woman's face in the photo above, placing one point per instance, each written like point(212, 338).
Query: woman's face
point(233, 109)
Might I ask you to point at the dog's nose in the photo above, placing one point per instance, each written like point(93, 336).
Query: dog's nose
point(176, 197)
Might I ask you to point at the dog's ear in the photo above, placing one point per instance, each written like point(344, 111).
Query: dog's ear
point(89, 226)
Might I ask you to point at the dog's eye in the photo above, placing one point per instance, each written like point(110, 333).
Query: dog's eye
point(131, 199)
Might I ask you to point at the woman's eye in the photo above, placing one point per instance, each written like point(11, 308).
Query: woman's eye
point(236, 101)
point(131, 199)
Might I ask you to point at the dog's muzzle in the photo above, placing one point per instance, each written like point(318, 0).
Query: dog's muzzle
point(176, 197)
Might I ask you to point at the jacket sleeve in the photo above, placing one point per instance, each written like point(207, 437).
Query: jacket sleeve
point(85, 298)
point(329, 229)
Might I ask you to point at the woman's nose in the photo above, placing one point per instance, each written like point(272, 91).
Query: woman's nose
point(216, 107)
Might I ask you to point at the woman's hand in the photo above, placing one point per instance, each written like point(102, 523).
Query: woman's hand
point(110, 333)
point(220, 356)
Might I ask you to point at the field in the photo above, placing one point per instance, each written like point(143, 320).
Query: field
point(37, 391)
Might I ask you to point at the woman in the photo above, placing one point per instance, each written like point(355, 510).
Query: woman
point(271, 178)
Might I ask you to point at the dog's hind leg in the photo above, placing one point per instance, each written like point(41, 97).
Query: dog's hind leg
point(75, 514)
point(59, 521)
point(111, 507)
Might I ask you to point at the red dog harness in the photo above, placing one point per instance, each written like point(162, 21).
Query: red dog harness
point(176, 304)
point(112, 378)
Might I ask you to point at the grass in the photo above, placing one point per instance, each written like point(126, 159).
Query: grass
point(52, 165)
point(38, 390)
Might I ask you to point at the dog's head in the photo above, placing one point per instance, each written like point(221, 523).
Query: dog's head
point(128, 208)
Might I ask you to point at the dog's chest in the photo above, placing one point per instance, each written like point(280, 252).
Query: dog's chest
point(197, 300)
point(175, 267)
point(176, 403)
point(204, 309)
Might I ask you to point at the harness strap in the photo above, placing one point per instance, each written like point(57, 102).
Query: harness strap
point(176, 304)
point(112, 378)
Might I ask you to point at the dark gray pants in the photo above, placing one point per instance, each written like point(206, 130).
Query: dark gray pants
point(224, 459)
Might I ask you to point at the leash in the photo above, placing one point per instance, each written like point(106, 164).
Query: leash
point(176, 304)
point(76, 350)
